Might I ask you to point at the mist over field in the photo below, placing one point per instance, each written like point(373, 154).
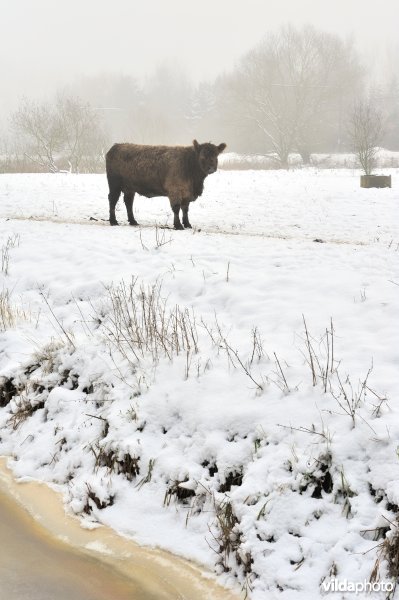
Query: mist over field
point(275, 77)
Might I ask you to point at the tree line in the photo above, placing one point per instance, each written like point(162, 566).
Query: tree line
point(297, 91)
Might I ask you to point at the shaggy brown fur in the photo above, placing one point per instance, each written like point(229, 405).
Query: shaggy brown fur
point(174, 171)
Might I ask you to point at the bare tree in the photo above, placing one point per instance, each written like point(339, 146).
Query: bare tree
point(286, 84)
point(40, 125)
point(54, 136)
point(82, 136)
point(366, 131)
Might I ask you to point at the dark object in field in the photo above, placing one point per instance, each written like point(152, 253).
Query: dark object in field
point(375, 181)
point(177, 172)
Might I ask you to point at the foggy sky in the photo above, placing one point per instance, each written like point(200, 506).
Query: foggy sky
point(48, 43)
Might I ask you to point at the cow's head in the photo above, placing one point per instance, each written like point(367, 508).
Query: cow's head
point(207, 155)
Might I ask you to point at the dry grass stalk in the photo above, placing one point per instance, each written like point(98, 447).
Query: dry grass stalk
point(388, 551)
point(24, 408)
point(321, 367)
point(12, 241)
point(68, 334)
point(227, 540)
point(348, 399)
point(10, 314)
point(233, 357)
point(148, 477)
point(282, 381)
point(140, 323)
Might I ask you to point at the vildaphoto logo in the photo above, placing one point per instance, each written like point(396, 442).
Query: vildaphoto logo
point(356, 587)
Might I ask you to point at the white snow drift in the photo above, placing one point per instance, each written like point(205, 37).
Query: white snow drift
point(228, 393)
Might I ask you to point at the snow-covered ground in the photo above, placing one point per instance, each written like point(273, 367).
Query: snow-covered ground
point(165, 380)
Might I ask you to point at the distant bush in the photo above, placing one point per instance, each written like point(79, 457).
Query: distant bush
point(241, 162)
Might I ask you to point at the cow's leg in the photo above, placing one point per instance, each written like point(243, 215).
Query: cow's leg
point(176, 221)
point(176, 204)
point(184, 208)
point(128, 198)
point(113, 197)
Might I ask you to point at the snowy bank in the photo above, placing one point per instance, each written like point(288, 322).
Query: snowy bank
point(230, 393)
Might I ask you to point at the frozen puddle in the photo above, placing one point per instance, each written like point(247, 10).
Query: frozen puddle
point(52, 556)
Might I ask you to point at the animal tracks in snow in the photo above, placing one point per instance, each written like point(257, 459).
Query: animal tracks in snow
point(100, 222)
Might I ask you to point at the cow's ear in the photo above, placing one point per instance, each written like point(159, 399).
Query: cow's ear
point(196, 146)
point(221, 147)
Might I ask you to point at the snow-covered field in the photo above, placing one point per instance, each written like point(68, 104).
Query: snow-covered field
point(228, 393)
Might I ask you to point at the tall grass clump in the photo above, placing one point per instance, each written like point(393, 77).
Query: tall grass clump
point(140, 323)
point(10, 314)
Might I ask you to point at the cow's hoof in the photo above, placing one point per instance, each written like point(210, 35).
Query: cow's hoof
point(133, 223)
point(113, 223)
point(187, 226)
point(179, 226)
